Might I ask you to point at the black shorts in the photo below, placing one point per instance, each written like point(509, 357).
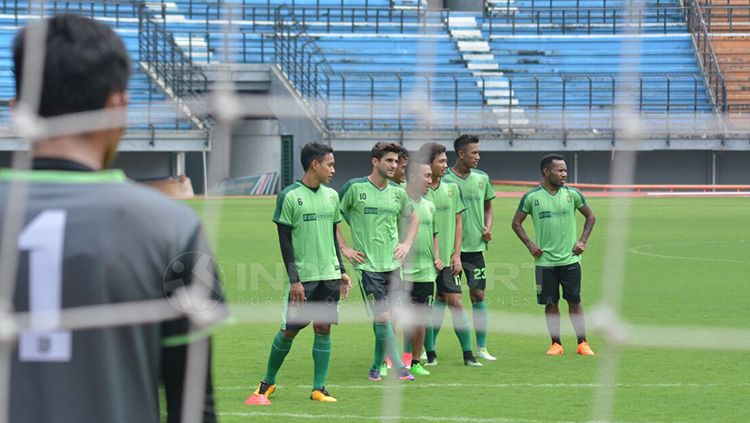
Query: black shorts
point(379, 289)
point(447, 282)
point(474, 267)
point(321, 305)
point(420, 293)
point(550, 278)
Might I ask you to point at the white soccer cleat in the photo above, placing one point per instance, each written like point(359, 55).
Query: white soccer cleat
point(485, 355)
point(423, 357)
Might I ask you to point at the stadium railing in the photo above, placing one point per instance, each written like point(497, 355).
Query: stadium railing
point(169, 65)
point(704, 50)
point(588, 20)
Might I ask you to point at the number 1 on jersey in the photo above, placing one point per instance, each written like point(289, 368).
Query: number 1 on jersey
point(43, 238)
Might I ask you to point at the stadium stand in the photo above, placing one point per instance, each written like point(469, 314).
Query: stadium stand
point(727, 23)
point(150, 108)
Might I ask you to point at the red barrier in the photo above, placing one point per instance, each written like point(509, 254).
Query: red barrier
point(637, 188)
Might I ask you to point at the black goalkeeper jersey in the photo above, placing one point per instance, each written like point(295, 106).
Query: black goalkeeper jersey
point(93, 238)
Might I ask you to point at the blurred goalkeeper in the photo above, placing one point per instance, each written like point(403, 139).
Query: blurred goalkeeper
point(91, 238)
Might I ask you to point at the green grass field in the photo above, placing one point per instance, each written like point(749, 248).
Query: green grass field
point(686, 265)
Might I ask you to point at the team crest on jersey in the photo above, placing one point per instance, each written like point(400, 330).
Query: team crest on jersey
point(568, 198)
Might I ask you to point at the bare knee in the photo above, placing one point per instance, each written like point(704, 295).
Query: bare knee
point(477, 296)
point(289, 334)
point(322, 328)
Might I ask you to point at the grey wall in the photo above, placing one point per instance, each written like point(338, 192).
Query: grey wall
point(465, 5)
point(653, 167)
point(146, 165)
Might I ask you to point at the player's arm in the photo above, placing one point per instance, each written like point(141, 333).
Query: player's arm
point(489, 195)
point(176, 338)
point(351, 254)
point(438, 263)
point(588, 226)
point(402, 249)
point(346, 282)
point(296, 290)
point(487, 234)
point(517, 226)
point(345, 206)
point(173, 361)
point(456, 265)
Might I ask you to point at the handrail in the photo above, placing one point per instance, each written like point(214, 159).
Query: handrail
point(571, 19)
point(704, 49)
point(169, 64)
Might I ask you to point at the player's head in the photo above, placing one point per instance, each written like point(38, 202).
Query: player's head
point(318, 162)
point(419, 176)
point(554, 170)
point(86, 68)
point(384, 158)
point(403, 161)
point(434, 154)
point(467, 150)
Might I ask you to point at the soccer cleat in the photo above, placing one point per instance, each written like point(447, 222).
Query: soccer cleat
point(374, 375)
point(584, 349)
point(432, 362)
point(388, 362)
point(472, 362)
point(406, 359)
point(555, 349)
point(485, 355)
point(383, 369)
point(261, 394)
point(418, 370)
point(423, 357)
point(322, 395)
point(403, 374)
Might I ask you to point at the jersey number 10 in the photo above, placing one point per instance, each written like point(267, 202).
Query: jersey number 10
point(43, 238)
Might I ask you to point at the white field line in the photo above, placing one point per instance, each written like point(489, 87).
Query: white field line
point(380, 386)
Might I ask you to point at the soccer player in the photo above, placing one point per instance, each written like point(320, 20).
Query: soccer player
point(307, 214)
point(371, 206)
point(91, 238)
point(446, 196)
point(399, 177)
point(477, 193)
point(420, 266)
point(552, 207)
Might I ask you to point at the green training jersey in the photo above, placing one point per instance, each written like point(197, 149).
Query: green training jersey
point(554, 223)
point(419, 265)
point(373, 215)
point(448, 203)
point(476, 188)
point(311, 214)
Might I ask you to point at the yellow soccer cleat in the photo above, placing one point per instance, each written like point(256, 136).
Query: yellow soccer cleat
point(261, 394)
point(555, 349)
point(584, 349)
point(322, 395)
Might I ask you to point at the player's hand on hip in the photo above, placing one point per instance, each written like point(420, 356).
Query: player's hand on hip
point(401, 251)
point(579, 248)
point(535, 251)
point(439, 264)
point(353, 255)
point(297, 293)
point(487, 234)
point(456, 266)
point(346, 285)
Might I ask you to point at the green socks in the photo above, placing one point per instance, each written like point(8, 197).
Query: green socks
point(436, 321)
point(321, 352)
point(385, 343)
point(279, 349)
point(463, 331)
point(407, 342)
point(480, 323)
